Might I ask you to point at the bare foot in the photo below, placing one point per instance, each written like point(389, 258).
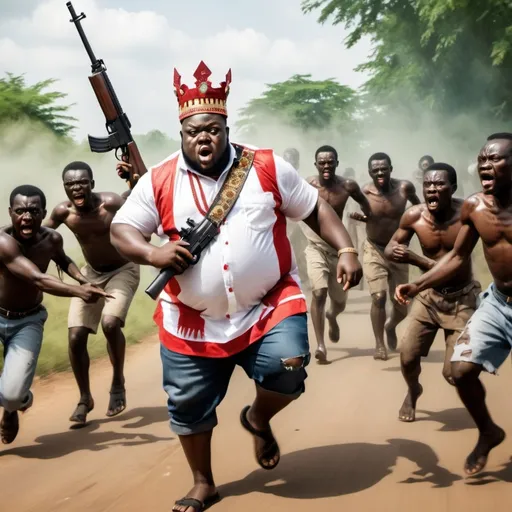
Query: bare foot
point(380, 354)
point(334, 329)
point(391, 337)
point(79, 416)
point(408, 411)
point(321, 355)
point(9, 427)
point(477, 459)
point(200, 497)
point(117, 403)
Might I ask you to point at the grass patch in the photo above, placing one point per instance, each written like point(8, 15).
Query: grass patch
point(54, 352)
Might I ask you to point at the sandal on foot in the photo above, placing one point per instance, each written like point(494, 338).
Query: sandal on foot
point(271, 448)
point(116, 396)
point(321, 357)
point(9, 427)
point(198, 505)
point(79, 416)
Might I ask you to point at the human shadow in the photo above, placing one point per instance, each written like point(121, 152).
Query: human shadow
point(453, 420)
point(352, 352)
point(489, 477)
point(338, 470)
point(141, 416)
point(58, 445)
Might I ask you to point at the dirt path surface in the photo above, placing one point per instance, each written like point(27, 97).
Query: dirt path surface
point(343, 447)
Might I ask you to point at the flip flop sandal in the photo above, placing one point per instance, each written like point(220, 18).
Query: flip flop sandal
point(198, 505)
point(271, 448)
point(80, 417)
point(115, 396)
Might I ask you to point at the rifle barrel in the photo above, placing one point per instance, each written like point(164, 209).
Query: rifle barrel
point(77, 21)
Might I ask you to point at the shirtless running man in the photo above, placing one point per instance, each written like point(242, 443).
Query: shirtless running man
point(436, 223)
point(388, 198)
point(321, 258)
point(26, 250)
point(88, 215)
point(486, 341)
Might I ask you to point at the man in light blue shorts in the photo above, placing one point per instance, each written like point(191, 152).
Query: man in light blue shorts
point(487, 339)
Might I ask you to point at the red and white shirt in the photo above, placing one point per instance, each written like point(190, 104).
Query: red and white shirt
point(246, 280)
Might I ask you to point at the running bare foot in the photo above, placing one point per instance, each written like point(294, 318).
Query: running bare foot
point(477, 459)
point(408, 411)
point(117, 403)
point(200, 497)
point(84, 407)
point(391, 337)
point(334, 329)
point(380, 353)
point(321, 355)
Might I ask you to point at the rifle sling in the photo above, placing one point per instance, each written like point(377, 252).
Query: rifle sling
point(232, 186)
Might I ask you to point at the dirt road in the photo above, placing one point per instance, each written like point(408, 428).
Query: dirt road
point(343, 448)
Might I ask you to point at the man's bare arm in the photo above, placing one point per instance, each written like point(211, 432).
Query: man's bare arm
point(357, 195)
point(57, 217)
point(64, 262)
point(327, 225)
point(452, 262)
point(410, 193)
point(22, 268)
point(397, 249)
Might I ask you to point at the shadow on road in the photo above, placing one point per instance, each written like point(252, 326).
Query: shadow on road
point(53, 446)
point(453, 420)
point(354, 352)
point(337, 470)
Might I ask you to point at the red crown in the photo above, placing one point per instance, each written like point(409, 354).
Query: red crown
point(203, 99)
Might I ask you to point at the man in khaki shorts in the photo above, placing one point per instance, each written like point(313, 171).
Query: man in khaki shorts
point(388, 198)
point(321, 258)
point(436, 223)
point(88, 215)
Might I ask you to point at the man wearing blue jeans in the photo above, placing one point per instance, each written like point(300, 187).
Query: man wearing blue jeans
point(241, 303)
point(26, 250)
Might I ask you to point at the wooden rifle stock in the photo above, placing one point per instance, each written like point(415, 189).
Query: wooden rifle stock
point(117, 123)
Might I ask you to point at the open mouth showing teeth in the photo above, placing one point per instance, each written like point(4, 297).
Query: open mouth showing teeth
point(433, 201)
point(79, 199)
point(26, 230)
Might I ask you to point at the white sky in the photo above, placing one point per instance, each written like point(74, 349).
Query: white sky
point(141, 41)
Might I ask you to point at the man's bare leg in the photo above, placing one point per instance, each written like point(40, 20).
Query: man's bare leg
point(332, 317)
point(378, 317)
point(79, 359)
point(318, 318)
point(398, 313)
point(411, 369)
point(116, 344)
point(265, 406)
point(472, 394)
point(197, 448)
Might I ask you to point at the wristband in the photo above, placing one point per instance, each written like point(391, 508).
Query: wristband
point(345, 250)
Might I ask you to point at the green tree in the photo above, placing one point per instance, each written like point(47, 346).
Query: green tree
point(302, 103)
point(20, 102)
point(449, 56)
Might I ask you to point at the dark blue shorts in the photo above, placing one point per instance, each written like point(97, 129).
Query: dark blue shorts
point(197, 385)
